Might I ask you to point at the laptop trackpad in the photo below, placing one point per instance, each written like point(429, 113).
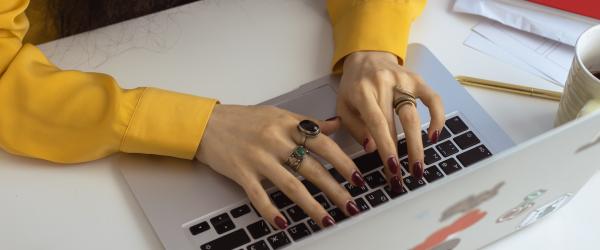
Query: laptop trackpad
point(318, 103)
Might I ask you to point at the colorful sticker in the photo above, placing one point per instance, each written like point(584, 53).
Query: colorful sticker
point(439, 237)
point(471, 202)
point(526, 204)
point(545, 210)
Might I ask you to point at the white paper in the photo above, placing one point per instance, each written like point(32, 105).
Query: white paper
point(546, 22)
point(538, 55)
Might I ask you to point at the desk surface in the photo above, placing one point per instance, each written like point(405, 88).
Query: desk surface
point(226, 45)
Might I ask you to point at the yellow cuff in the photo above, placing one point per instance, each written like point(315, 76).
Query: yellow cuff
point(167, 123)
point(382, 25)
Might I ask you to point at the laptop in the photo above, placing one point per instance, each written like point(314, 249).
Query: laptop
point(477, 187)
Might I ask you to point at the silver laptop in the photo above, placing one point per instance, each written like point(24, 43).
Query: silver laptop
point(477, 187)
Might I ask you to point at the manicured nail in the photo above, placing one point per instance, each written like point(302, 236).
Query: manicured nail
point(327, 221)
point(352, 208)
point(332, 118)
point(281, 223)
point(393, 164)
point(418, 170)
point(357, 179)
point(435, 136)
point(365, 142)
point(396, 184)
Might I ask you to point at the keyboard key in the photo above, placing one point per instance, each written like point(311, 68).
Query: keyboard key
point(432, 174)
point(296, 213)
point(456, 125)
point(431, 156)
point(239, 211)
point(354, 190)
point(376, 198)
point(375, 179)
point(222, 223)
point(299, 231)
point(261, 245)
point(412, 183)
point(337, 214)
point(228, 241)
point(466, 140)
point(313, 225)
point(199, 228)
point(404, 163)
point(444, 134)
point(425, 139)
point(336, 175)
point(322, 200)
point(393, 194)
point(361, 204)
point(474, 155)
point(447, 148)
point(450, 166)
point(368, 162)
point(258, 229)
point(280, 199)
point(311, 187)
point(278, 240)
point(402, 148)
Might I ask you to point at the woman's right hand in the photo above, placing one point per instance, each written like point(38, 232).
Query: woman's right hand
point(249, 143)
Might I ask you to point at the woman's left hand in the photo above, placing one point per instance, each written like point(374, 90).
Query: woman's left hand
point(370, 83)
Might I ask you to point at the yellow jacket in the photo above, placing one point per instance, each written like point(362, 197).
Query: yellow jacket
point(71, 116)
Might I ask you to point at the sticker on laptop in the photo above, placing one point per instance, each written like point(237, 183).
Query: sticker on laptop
point(527, 203)
point(545, 210)
point(471, 202)
point(446, 237)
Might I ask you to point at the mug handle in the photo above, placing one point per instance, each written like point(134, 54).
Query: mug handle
point(590, 107)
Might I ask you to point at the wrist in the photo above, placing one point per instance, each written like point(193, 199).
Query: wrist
point(359, 56)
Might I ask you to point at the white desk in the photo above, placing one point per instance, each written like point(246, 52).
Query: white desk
point(262, 49)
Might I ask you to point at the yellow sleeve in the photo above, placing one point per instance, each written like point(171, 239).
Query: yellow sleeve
point(376, 25)
point(72, 116)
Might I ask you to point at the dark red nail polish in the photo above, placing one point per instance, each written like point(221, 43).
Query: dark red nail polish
point(281, 223)
point(332, 118)
point(396, 184)
point(435, 136)
point(393, 164)
point(352, 208)
point(327, 221)
point(365, 142)
point(357, 179)
point(418, 170)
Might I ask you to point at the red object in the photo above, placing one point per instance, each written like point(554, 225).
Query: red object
point(590, 8)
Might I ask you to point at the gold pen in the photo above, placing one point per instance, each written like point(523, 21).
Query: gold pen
point(509, 88)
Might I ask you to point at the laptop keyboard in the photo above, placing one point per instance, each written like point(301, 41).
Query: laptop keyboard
point(239, 226)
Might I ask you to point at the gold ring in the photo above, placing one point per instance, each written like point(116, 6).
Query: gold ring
point(403, 99)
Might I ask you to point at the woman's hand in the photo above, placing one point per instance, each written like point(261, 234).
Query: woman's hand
point(369, 85)
point(249, 143)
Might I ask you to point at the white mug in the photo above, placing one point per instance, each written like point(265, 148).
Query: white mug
point(581, 95)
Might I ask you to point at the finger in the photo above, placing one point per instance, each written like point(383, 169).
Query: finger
point(326, 148)
point(411, 123)
point(313, 171)
point(436, 109)
point(261, 201)
point(295, 190)
point(378, 126)
point(385, 104)
point(357, 128)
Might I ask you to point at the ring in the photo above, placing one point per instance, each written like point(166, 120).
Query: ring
point(404, 98)
point(296, 157)
point(309, 129)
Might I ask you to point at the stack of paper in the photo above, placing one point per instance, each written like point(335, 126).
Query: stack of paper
point(535, 38)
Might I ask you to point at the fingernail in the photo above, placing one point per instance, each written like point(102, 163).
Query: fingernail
point(281, 223)
point(357, 179)
point(418, 170)
point(393, 164)
point(332, 118)
point(396, 184)
point(365, 142)
point(352, 208)
point(328, 221)
point(435, 136)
